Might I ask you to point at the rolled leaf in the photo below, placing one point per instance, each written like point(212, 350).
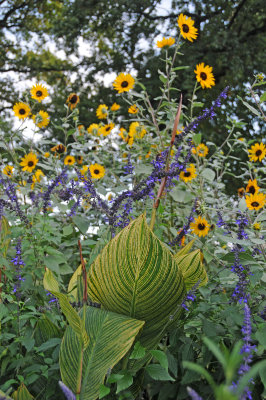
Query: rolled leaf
point(192, 269)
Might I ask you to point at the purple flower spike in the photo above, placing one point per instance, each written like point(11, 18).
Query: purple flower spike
point(194, 395)
point(67, 392)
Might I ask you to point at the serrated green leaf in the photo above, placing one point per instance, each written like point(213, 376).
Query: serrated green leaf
point(125, 382)
point(208, 174)
point(138, 352)
point(158, 373)
point(161, 357)
point(104, 391)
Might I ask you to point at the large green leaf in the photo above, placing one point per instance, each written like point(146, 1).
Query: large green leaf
point(192, 269)
point(50, 284)
point(136, 275)
point(22, 393)
point(110, 337)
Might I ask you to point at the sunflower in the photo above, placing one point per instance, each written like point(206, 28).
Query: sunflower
point(8, 170)
point(165, 42)
point(187, 29)
point(201, 150)
point(106, 129)
point(47, 154)
point(69, 160)
point(72, 100)
point(133, 109)
point(59, 149)
point(115, 107)
point(36, 177)
point(136, 130)
point(179, 131)
point(255, 201)
point(102, 111)
point(189, 174)
point(79, 160)
point(204, 76)
point(21, 110)
point(256, 226)
point(123, 83)
point(41, 119)
point(257, 152)
point(200, 226)
point(93, 128)
point(97, 171)
point(39, 92)
point(241, 192)
point(84, 169)
point(81, 129)
point(252, 187)
point(122, 132)
point(182, 240)
point(29, 162)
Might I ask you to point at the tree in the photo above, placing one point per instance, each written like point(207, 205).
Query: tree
point(121, 36)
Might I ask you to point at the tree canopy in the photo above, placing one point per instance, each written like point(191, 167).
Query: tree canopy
point(121, 36)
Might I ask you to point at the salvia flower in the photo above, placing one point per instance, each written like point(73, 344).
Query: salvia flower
point(247, 350)
point(67, 392)
point(194, 395)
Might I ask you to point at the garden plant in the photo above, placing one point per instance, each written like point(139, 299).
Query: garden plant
point(128, 269)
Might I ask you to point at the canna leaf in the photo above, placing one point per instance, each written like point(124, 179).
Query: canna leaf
point(192, 269)
point(110, 338)
point(136, 275)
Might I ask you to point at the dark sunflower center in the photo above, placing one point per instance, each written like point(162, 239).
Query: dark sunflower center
point(203, 76)
point(96, 171)
point(22, 111)
point(69, 160)
point(30, 164)
point(255, 204)
point(124, 84)
point(258, 153)
point(185, 28)
point(60, 149)
point(107, 129)
point(201, 227)
point(39, 93)
point(251, 190)
point(73, 99)
point(187, 174)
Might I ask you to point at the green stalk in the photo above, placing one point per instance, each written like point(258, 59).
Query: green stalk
point(164, 180)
